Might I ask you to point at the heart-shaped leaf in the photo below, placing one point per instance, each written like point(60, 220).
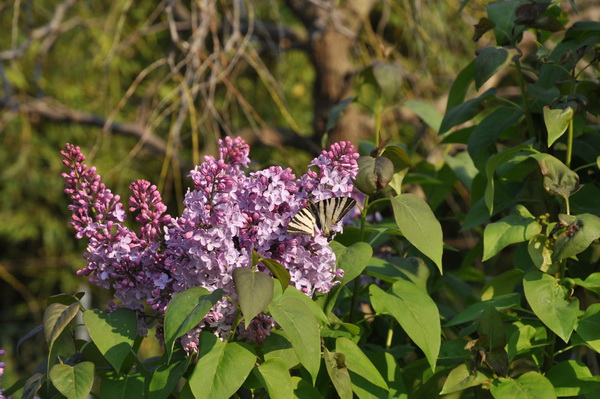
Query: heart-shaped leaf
point(74, 382)
point(254, 289)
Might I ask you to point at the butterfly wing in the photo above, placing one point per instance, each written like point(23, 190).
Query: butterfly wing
point(331, 211)
point(303, 223)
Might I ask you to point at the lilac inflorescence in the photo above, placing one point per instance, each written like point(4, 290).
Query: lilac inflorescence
point(227, 215)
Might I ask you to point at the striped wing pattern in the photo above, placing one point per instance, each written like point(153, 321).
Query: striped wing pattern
point(324, 214)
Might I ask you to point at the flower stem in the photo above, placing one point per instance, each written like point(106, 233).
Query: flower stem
point(569, 144)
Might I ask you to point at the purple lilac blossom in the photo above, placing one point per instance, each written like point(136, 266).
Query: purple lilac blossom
point(2, 365)
point(227, 215)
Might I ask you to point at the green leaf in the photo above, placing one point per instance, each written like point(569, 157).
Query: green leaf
point(577, 237)
point(222, 367)
point(475, 310)
point(428, 113)
point(503, 284)
point(389, 77)
point(461, 378)
point(122, 386)
point(490, 170)
point(301, 327)
point(518, 227)
point(56, 318)
point(359, 363)
point(558, 178)
point(464, 112)
point(416, 313)
point(166, 376)
point(32, 385)
point(390, 370)
point(502, 14)
point(277, 345)
point(531, 385)
point(557, 121)
point(548, 300)
point(280, 272)
point(255, 291)
point(73, 382)
point(185, 311)
point(592, 282)
point(335, 363)
point(589, 325)
point(490, 60)
point(459, 88)
point(394, 268)
point(492, 328)
point(113, 333)
point(352, 259)
point(419, 225)
point(276, 378)
point(540, 252)
point(304, 389)
point(572, 378)
point(482, 140)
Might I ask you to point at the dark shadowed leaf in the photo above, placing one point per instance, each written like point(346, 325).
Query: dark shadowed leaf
point(254, 289)
point(492, 59)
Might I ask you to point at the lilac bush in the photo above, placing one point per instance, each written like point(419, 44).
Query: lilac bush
point(227, 215)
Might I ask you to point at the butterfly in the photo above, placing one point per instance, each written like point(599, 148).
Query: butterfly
point(323, 213)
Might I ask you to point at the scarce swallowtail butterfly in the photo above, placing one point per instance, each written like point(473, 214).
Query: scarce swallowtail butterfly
point(324, 214)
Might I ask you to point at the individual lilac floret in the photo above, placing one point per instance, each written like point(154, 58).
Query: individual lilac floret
point(227, 216)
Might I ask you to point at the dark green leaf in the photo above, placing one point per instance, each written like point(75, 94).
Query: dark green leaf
point(572, 378)
point(558, 178)
point(280, 272)
point(474, 311)
point(336, 112)
point(122, 386)
point(589, 325)
point(277, 345)
point(490, 60)
point(459, 88)
point(166, 376)
point(464, 112)
point(254, 289)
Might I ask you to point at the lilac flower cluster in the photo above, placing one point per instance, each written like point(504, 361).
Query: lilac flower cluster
point(227, 215)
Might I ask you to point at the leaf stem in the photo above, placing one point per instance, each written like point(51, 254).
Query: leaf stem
point(528, 119)
point(569, 144)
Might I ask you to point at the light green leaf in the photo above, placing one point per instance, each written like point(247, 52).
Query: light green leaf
point(359, 363)
point(518, 227)
point(580, 233)
point(548, 300)
point(557, 121)
point(301, 327)
point(222, 367)
point(277, 345)
point(419, 225)
point(254, 289)
point(531, 385)
point(186, 309)
point(428, 113)
point(503, 284)
point(74, 382)
point(275, 376)
point(416, 313)
point(352, 260)
point(338, 373)
point(113, 333)
point(589, 325)
point(461, 378)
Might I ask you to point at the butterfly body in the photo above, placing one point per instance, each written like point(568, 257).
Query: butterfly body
point(323, 214)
